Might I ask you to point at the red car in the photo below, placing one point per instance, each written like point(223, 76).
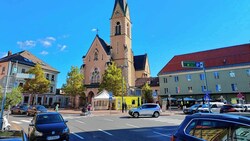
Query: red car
point(227, 108)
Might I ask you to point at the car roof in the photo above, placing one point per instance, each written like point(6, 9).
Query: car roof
point(229, 117)
point(48, 113)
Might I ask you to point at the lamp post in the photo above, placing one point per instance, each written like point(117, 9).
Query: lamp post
point(122, 67)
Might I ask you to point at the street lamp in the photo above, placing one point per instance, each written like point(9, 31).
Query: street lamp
point(122, 67)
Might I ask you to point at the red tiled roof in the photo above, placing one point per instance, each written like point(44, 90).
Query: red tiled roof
point(140, 82)
point(221, 57)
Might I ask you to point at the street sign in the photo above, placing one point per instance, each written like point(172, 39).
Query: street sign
point(25, 75)
point(192, 64)
point(154, 94)
point(110, 95)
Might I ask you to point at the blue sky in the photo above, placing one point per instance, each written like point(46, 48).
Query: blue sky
point(60, 32)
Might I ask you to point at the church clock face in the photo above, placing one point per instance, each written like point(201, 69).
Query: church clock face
point(117, 13)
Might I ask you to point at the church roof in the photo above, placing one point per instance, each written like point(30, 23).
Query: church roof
point(123, 5)
point(105, 46)
point(140, 62)
point(221, 57)
point(26, 58)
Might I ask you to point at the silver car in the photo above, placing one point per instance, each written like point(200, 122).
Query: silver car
point(147, 109)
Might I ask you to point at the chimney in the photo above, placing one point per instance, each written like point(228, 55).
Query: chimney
point(9, 53)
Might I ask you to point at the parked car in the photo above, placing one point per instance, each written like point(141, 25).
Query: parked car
point(191, 110)
point(48, 126)
point(239, 107)
point(32, 110)
point(213, 127)
point(215, 108)
point(227, 108)
point(19, 109)
point(13, 135)
point(147, 109)
point(247, 107)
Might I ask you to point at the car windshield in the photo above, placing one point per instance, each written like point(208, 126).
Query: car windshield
point(50, 118)
point(205, 106)
point(195, 106)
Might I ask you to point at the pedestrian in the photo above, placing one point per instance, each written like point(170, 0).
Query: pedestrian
point(89, 108)
point(57, 105)
point(126, 107)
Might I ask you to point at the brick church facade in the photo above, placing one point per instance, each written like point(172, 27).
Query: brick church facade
point(100, 54)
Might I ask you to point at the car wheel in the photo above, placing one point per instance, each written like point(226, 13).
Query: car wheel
point(156, 114)
point(136, 115)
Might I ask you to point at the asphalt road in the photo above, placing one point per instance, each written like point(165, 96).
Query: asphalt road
point(113, 128)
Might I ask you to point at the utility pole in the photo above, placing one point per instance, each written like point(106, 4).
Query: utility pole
point(4, 96)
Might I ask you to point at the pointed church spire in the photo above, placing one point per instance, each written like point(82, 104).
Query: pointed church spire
point(123, 5)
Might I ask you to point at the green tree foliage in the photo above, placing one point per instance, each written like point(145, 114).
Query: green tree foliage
point(40, 84)
point(12, 98)
point(112, 80)
point(74, 84)
point(147, 93)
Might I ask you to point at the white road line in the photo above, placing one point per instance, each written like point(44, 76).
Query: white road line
point(132, 125)
point(105, 132)
point(161, 134)
point(27, 121)
point(80, 121)
point(16, 122)
point(108, 119)
point(77, 135)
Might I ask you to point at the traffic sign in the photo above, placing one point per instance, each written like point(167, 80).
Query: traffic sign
point(25, 75)
point(192, 64)
point(110, 95)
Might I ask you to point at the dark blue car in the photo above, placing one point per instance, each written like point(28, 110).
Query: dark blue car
point(213, 127)
point(48, 126)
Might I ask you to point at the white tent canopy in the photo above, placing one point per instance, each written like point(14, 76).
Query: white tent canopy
point(103, 95)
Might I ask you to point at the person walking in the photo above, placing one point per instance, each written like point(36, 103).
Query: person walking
point(57, 106)
point(89, 108)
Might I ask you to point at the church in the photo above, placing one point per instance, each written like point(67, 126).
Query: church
point(100, 54)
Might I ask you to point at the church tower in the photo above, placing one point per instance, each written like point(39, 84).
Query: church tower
point(120, 40)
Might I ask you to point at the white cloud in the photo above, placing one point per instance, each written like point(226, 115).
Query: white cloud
point(44, 53)
point(26, 44)
point(48, 41)
point(62, 47)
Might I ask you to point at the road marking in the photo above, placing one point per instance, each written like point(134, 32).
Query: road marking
point(17, 122)
point(108, 119)
point(80, 121)
point(132, 125)
point(77, 135)
point(27, 121)
point(105, 132)
point(162, 134)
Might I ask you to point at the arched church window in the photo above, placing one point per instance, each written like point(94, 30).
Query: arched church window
point(96, 56)
point(118, 28)
point(128, 30)
point(95, 78)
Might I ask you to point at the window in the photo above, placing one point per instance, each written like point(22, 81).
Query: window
point(216, 75)
point(51, 89)
point(96, 55)
point(165, 90)
point(23, 70)
point(218, 87)
point(47, 76)
point(95, 78)
point(234, 87)
point(212, 130)
point(118, 28)
point(165, 80)
point(190, 89)
point(248, 73)
point(189, 77)
point(231, 74)
point(202, 76)
point(177, 89)
point(52, 77)
point(3, 70)
point(176, 78)
point(203, 88)
point(128, 30)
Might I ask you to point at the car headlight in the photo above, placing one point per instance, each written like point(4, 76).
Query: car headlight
point(38, 133)
point(66, 130)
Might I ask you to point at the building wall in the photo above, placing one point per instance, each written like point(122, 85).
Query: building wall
point(180, 88)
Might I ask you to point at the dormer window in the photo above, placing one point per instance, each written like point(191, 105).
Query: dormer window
point(118, 28)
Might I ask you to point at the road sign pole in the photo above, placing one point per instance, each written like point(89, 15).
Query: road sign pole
point(4, 96)
point(205, 81)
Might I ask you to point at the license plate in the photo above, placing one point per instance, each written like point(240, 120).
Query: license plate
point(53, 137)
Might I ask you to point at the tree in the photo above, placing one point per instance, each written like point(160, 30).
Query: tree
point(40, 84)
point(147, 93)
point(112, 80)
point(12, 98)
point(74, 84)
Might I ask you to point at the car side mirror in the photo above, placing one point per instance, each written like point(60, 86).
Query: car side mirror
point(65, 121)
point(31, 124)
